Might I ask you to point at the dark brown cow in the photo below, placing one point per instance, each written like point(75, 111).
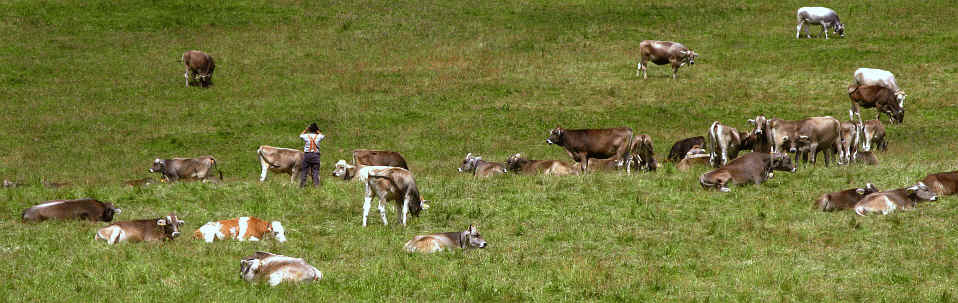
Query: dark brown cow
point(199, 68)
point(874, 135)
point(280, 160)
point(879, 97)
point(582, 144)
point(845, 199)
point(757, 140)
point(159, 229)
point(724, 144)
point(664, 52)
point(944, 184)
point(888, 201)
point(682, 147)
point(481, 168)
point(816, 133)
point(83, 209)
point(643, 153)
point(750, 168)
point(185, 168)
point(517, 164)
point(368, 157)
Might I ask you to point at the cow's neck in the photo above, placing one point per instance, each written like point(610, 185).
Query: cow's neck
point(462, 240)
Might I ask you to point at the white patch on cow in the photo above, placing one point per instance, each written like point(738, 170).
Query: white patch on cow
point(233, 232)
point(117, 235)
point(276, 277)
point(243, 223)
point(278, 231)
point(211, 230)
point(252, 238)
point(889, 205)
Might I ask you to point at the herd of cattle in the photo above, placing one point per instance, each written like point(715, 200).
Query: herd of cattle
point(775, 145)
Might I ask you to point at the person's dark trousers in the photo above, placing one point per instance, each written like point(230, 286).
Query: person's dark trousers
point(310, 166)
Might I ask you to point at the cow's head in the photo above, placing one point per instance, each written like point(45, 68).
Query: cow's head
point(689, 56)
point(250, 264)
point(921, 192)
point(895, 111)
point(158, 166)
point(341, 169)
point(472, 239)
point(759, 122)
point(278, 231)
point(869, 188)
point(469, 163)
point(796, 144)
point(513, 162)
point(417, 205)
point(840, 30)
point(108, 212)
point(782, 162)
point(555, 136)
point(171, 225)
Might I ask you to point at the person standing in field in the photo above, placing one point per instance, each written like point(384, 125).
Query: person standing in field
point(312, 136)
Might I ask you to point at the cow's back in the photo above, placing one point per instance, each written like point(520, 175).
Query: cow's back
point(281, 159)
point(378, 158)
point(942, 183)
point(88, 209)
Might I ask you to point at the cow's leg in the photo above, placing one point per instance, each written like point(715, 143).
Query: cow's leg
point(675, 68)
point(264, 167)
point(813, 151)
point(807, 35)
point(643, 66)
point(405, 210)
point(367, 200)
point(292, 175)
point(584, 159)
point(187, 76)
point(825, 29)
point(798, 29)
point(382, 209)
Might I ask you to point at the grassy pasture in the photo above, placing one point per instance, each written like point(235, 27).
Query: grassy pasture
point(90, 93)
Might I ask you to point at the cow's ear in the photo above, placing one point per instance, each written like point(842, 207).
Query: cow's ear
point(860, 191)
point(161, 222)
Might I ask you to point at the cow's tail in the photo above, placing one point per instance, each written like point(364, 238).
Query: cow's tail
point(263, 158)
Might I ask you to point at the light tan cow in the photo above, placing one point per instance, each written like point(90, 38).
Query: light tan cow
point(468, 239)
point(159, 229)
point(275, 269)
point(517, 164)
point(280, 160)
point(393, 184)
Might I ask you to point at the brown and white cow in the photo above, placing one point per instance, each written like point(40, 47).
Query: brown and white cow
point(888, 201)
point(724, 143)
point(682, 147)
point(845, 199)
point(851, 137)
point(199, 68)
point(643, 153)
point(693, 157)
point(879, 97)
point(368, 157)
point(750, 168)
point(241, 229)
point(467, 239)
point(275, 269)
point(280, 160)
point(517, 164)
point(604, 143)
point(817, 134)
point(874, 135)
point(393, 184)
point(664, 52)
point(159, 229)
point(945, 183)
point(185, 168)
point(82, 209)
point(481, 168)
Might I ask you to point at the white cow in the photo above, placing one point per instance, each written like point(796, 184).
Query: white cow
point(823, 16)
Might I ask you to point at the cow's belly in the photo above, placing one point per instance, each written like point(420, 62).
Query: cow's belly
point(660, 61)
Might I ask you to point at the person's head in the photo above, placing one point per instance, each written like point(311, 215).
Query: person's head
point(313, 128)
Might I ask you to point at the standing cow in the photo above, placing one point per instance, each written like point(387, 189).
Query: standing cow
point(369, 157)
point(199, 68)
point(280, 160)
point(849, 142)
point(823, 16)
point(813, 134)
point(664, 52)
point(874, 135)
point(881, 98)
point(582, 144)
point(724, 144)
point(83, 209)
point(185, 168)
point(393, 184)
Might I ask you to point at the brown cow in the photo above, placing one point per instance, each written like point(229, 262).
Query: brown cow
point(695, 156)
point(757, 140)
point(158, 229)
point(879, 97)
point(845, 199)
point(874, 134)
point(470, 238)
point(682, 147)
point(396, 184)
point(582, 144)
point(517, 164)
point(83, 209)
point(945, 183)
point(199, 68)
point(280, 160)
point(815, 133)
point(888, 201)
point(185, 168)
point(596, 165)
point(724, 143)
point(664, 52)
point(643, 154)
point(481, 168)
point(353, 172)
point(849, 142)
point(751, 168)
point(370, 157)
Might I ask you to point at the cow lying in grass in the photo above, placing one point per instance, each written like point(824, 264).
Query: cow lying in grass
point(275, 269)
point(845, 199)
point(888, 201)
point(159, 229)
point(481, 168)
point(753, 168)
point(82, 209)
point(520, 165)
point(241, 229)
point(467, 239)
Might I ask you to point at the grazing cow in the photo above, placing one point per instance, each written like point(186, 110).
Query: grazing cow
point(682, 147)
point(481, 168)
point(185, 168)
point(83, 209)
point(724, 144)
point(888, 201)
point(845, 199)
point(242, 229)
point(158, 229)
point(517, 164)
point(867, 157)
point(582, 144)
point(275, 269)
point(353, 172)
point(823, 16)
point(815, 133)
point(664, 52)
point(849, 142)
point(280, 160)
point(879, 77)
point(874, 133)
point(370, 157)
point(879, 97)
point(643, 154)
point(750, 168)
point(944, 184)
point(468, 239)
point(695, 156)
point(199, 68)
point(396, 184)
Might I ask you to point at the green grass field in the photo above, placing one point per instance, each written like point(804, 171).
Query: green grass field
point(91, 92)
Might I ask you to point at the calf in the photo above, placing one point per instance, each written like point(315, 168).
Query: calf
point(643, 154)
point(664, 52)
point(724, 144)
point(468, 239)
point(751, 168)
point(517, 164)
point(874, 133)
point(845, 199)
point(370, 157)
point(888, 201)
point(158, 229)
point(582, 144)
point(199, 68)
point(242, 229)
point(280, 160)
point(83, 209)
point(682, 147)
point(185, 168)
point(945, 183)
point(396, 184)
point(696, 156)
point(276, 269)
point(481, 168)
point(879, 97)
point(849, 142)
point(823, 16)
point(350, 172)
